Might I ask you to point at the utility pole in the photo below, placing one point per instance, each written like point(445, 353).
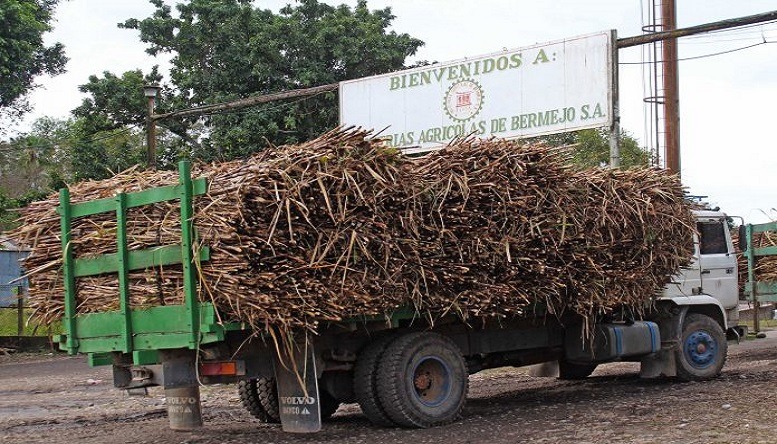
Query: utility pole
point(668, 36)
point(671, 89)
point(615, 128)
point(151, 92)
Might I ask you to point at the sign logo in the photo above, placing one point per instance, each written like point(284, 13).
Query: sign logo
point(464, 100)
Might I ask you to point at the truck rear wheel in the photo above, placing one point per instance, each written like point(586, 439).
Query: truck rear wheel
point(260, 398)
point(329, 404)
point(422, 380)
point(702, 350)
point(572, 371)
point(365, 386)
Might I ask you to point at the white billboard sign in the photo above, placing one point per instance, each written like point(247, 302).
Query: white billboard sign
point(542, 89)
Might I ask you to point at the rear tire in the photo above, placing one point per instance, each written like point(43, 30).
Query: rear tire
point(422, 380)
point(571, 371)
point(702, 350)
point(329, 404)
point(365, 386)
point(260, 398)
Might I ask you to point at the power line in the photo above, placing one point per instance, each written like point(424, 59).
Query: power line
point(248, 102)
point(740, 30)
point(767, 17)
point(705, 55)
point(719, 41)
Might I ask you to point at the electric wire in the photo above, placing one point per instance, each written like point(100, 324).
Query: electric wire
point(744, 29)
point(704, 56)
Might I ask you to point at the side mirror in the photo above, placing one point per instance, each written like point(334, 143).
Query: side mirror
point(742, 238)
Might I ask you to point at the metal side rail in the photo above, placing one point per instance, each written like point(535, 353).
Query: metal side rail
point(141, 332)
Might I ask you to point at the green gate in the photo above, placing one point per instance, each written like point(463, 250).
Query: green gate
point(758, 290)
point(140, 332)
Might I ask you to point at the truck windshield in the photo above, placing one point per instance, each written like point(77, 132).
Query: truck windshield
point(713, 238)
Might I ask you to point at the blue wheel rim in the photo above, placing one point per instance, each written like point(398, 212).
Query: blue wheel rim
point(431, 381)
point(700, 349)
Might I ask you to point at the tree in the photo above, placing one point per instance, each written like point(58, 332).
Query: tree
point(37, 161)
point(228, 49)
point(591, 148)
point(115, 103)
point(31, 165)
point(23, 56)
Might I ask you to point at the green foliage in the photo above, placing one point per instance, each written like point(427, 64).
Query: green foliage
point(228, 49)
point(222, 50)
point(30, 165)
point(55, 152)
point(8, 214)
point(23, 55)
point(115, 102)
point(97, 153)
point(591, 148)
point(9, 207)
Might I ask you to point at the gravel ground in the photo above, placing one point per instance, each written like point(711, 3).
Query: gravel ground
point(48, 398)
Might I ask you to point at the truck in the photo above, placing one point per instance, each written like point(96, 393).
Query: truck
point(402, 369)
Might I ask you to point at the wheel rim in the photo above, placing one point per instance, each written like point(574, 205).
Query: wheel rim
point(431, 381)
point(700, 348)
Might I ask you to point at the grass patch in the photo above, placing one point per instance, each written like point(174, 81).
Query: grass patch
point(9, 324)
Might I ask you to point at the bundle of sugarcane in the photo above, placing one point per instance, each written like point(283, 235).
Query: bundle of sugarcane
point(741, 264)
point(512, 227)
point(344, 226)
point(766, 266)
point(634, 229)
point(147, 227)
point(239, 277)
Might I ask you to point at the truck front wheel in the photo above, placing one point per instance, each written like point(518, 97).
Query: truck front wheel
point(422, 380)
point(702, 349)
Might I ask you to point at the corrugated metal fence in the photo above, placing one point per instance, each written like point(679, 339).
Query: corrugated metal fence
point(10, 269)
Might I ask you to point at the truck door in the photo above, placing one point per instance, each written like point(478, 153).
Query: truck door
point(687, 281)
point(717, 262)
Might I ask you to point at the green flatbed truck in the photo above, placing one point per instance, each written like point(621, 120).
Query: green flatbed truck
point(402, 370)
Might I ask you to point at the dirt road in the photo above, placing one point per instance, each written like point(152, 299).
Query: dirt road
point(57, 399)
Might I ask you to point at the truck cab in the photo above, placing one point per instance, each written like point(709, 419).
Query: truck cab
point(698, 309)
point(710, 282)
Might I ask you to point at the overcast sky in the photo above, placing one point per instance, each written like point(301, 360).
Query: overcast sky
point(727, 101)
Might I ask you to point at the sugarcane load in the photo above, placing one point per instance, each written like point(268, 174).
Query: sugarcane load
point(344, 226)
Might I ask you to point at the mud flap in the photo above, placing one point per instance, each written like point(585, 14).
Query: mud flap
point(544, 370)
point(659, 364)
point(298, 399)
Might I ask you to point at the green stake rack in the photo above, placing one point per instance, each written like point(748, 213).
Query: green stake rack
point(137, 331)
point(758, 291)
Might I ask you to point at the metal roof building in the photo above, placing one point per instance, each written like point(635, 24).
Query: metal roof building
point(10, 269)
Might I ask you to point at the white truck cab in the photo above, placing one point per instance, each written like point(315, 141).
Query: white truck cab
point(699, 307)
point(711, 278)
